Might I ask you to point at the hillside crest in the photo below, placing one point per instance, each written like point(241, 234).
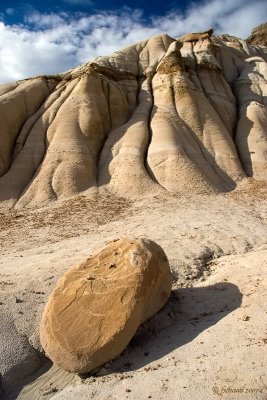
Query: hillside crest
point(177, 115)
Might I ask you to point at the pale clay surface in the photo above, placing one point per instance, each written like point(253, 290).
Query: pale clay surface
point(164, 140)
point(39, 246)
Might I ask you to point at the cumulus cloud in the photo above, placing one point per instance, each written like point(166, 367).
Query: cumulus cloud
point(52, 43)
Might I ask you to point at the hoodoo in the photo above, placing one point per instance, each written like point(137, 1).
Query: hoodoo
point(186, 114)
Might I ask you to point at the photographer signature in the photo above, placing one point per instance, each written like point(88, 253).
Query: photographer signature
point(220, 391)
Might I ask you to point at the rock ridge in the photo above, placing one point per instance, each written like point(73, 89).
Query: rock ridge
point(177, 115)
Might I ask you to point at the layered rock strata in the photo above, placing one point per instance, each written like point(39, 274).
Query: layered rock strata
point(178, 115)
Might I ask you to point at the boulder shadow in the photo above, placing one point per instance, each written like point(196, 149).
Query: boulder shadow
point(188, 313)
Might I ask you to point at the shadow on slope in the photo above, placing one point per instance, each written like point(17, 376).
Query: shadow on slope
point(188, 313)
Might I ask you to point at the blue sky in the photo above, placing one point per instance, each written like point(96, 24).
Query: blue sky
point(16, 10)
point(45, 37)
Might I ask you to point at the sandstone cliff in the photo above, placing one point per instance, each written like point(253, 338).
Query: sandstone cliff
point(182, 115)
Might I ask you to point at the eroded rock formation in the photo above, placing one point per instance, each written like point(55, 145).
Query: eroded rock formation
point(258, 35)
point(186, 114)
point(98, 305)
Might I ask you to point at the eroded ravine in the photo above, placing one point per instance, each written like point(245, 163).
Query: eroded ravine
point(182, 115)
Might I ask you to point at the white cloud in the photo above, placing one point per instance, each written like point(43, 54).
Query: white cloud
point(44, 20)
point(10, 11)
point(79, 2)
point(52, 43)
point(236, 17)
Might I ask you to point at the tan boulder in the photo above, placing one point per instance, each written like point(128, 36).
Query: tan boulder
point(193, 37)
point(97, 306)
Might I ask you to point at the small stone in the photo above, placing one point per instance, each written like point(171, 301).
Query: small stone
point(17, 300)
point(50, 391)
point(103, 371)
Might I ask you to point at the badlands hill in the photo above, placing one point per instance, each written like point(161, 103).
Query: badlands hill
point(185, 115)
point(166, 141)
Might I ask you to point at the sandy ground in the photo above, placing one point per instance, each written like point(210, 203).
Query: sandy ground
point(208, 342)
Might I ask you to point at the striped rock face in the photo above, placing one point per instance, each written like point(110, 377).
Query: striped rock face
point(97, 306)
point(184, 115)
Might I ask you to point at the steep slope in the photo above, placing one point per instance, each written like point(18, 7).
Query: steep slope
point(258, 35)
point(182, 115)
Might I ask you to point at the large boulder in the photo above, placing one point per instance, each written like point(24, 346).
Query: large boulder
point(97, 306)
